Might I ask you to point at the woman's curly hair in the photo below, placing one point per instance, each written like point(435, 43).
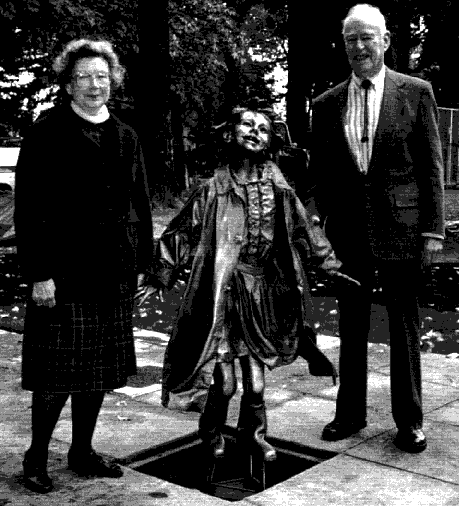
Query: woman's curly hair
point(65, 63)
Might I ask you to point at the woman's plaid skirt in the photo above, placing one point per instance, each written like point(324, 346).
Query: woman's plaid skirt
point(75, 347)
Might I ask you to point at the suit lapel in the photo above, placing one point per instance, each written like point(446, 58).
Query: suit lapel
point(390, 110)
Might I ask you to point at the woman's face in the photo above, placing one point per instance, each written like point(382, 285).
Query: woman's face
point(90, 86)
point(253, 132)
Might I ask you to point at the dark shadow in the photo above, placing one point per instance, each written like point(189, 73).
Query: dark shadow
point(184, 462)
point(146, 376)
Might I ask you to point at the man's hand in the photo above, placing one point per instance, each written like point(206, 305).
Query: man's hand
point(431, 246)
point(43, 293)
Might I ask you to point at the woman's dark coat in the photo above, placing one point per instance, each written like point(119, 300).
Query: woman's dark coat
point(83, 219)
point(209, 231)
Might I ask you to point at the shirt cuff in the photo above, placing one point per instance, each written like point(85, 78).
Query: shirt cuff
point(433, 236)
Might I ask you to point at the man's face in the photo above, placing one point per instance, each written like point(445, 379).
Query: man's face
point(253, 132)
point(365, 47)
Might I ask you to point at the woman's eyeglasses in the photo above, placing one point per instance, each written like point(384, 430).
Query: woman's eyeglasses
point(86, 79)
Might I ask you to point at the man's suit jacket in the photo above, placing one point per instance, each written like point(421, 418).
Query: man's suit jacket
point(384, 212)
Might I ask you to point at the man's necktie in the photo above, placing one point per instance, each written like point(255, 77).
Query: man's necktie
point(366, 84)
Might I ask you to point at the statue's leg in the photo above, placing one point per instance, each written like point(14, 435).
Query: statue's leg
point(252, 421)
point(215, 411)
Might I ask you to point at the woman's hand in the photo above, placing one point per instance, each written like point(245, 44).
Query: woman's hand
point(43, 293)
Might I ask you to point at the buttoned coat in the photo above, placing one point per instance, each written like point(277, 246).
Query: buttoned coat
point(79, 205)
point(83, 219)
point(402, 193)
point(208, 234)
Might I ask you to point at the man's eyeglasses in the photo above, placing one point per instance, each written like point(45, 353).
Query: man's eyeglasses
point(352, 40)
point(85, 79)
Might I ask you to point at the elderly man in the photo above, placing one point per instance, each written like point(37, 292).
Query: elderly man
point(377, 175)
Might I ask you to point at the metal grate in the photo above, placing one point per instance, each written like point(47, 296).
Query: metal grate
point(184, 462)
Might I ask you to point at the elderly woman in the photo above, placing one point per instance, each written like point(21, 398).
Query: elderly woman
point(85, 243)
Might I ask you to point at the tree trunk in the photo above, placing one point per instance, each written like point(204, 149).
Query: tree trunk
point(300, 70)
point(152, 102)
point(401, 44)
point(176, 178)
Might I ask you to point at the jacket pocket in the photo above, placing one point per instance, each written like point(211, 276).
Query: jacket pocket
point(405, 196)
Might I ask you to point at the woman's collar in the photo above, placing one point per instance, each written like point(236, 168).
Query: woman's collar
point(102, 115)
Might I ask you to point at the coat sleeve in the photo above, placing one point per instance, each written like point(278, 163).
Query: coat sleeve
point(431, 174)
point(309, 239)
point(33, 207)
point(178, 243)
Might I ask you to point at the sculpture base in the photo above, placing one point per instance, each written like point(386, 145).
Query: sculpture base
point(237, 475)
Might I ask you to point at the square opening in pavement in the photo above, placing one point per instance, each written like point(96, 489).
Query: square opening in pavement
point(235, 476)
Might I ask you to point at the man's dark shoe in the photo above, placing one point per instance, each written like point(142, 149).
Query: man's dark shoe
point(337, 430)
point(411, 440)
point(93, 465)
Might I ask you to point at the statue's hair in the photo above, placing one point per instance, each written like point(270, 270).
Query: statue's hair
point(65, 63)
point(368, 13)
point(256, 105)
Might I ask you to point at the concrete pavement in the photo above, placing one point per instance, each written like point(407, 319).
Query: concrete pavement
point(366, 471)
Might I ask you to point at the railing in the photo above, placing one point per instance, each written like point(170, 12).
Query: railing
point(449, 133)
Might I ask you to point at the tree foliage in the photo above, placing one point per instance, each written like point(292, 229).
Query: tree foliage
point(201, 57)
point(35, 32)
point(212, 68)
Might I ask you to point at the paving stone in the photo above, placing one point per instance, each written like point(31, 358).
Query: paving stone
point(369, 470)
point(440, 460)
point(143, 394)
point(448, 414)
point(153, 397)
point(436, 369)
point(303, 420)
point(325, 342)
point(133, 489)
point(128, 428)
point(440, 369)
point(346, 481)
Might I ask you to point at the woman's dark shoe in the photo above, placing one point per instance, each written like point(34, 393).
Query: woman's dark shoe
point(93, 465)
point(337, 430)
point(35, 476)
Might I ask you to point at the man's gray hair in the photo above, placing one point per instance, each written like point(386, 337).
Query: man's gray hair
point(368, 13)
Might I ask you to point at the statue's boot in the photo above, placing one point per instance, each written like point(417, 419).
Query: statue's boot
point(253, 425)
point(212, 421)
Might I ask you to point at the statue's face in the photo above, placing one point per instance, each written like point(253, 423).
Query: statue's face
point(253, 132)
